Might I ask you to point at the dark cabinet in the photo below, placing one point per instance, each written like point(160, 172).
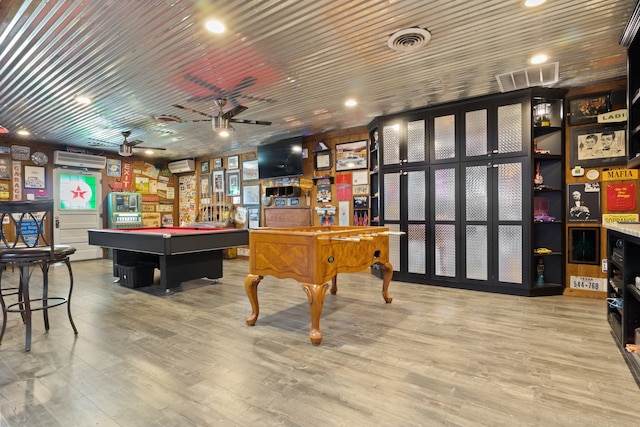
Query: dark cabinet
point(477, 189)
point(631, 41)
point(623, 295)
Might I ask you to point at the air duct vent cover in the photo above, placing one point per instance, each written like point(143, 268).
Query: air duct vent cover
point(409, 39)
point(540, 75)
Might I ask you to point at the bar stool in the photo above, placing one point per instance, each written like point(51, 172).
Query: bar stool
point(26, 242)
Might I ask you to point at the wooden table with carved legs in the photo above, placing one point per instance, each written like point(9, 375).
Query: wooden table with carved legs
point(313, 256)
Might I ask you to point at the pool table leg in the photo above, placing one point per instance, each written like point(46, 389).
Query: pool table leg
point(315, 295)
point(251, 283)
point(387, 272)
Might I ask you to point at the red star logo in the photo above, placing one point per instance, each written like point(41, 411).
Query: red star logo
point(78, 193)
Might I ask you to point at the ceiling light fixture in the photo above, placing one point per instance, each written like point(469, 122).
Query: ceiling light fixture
point(82, 99)
point(23, 132)
point(125, 150)
point(215, 26)
point(538, 59)
point(533, 3)
point(220, 125)
point(351, 102)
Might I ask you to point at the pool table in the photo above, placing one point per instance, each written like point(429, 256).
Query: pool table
point(180, 253)
point(313, 256)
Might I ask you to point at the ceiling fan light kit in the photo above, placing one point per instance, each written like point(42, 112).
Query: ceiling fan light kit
point(126, 148)
point(221, 123)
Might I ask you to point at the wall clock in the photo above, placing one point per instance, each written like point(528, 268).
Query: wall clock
point(39, 158)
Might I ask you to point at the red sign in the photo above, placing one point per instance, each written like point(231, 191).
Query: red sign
point(621, 197)
point(127, 175)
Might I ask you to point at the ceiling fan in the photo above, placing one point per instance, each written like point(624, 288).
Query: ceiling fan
point(221, 122)
point(126, 148)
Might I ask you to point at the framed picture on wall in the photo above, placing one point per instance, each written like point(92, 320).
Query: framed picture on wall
point(251, 194)
point(217, 162)
point(583, 202)
point(232, 162)
point(249, 170)
point(322, 160)
point(233, 183)
point(218, 181)
point(584, 245)
point(585, 109)
point(204, 166)
point(598, 145)
point(351, 155)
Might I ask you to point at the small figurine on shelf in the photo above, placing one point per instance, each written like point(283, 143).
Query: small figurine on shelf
point(537, 178)
point(540, 268)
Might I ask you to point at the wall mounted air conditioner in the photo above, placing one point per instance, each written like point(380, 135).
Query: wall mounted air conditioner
point(182, 166)
point(79, 160)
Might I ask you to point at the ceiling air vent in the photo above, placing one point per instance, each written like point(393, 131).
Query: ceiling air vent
point(540, 75)
point(409, 39)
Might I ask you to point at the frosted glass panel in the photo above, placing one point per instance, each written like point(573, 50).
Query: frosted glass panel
point(391, 144)
point(476, 133)
point(417, 195)
point(510, 128)
point(445, 194)
point(510, 192)
point(476, 193)
point(477, 252)
point(445, 250)
point(510, 253)
point(444, 129)
point(416, 141)
point(391, 194)
point(394, 246)
point(417, 254)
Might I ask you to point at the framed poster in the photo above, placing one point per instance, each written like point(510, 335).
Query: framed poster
point(5, 169)
point(34, 177)
point(584, 245)
point(217, 162)
point(351, 155)
point(233, 183)
point(251, 194)
point(598, 146)
point(204, 166)
point(585, 109)
point(583, 202)
point(322, 160)
point(218, 181)
point(250, 170)
point(232, 162)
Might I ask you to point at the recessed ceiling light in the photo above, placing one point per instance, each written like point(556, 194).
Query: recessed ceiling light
point(82, 99)
point(533, 3)
point(23, 132)
point(215, 26)
point(223, 133)
point(539, 58)
point(351, 102)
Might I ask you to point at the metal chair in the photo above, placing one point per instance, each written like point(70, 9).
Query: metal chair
point(26, 242)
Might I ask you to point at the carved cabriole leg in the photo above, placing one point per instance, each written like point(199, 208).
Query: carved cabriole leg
point(387, 272)
point(315, 295)
point(334, 285)
point(251, 288)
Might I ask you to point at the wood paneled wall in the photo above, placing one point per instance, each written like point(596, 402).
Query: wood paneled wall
point(591, 270)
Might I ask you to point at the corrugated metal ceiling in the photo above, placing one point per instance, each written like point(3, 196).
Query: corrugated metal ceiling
point(291, 62)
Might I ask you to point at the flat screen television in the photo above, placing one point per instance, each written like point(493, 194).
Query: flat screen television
point(280, 159)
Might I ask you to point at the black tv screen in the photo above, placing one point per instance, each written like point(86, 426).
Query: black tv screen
point(280, 159)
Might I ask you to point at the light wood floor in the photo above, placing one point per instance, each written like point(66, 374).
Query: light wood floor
point(433, 357)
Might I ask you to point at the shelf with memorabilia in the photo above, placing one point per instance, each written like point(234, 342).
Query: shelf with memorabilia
point(548, 183)
point(623, 291)
point(631, 40)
